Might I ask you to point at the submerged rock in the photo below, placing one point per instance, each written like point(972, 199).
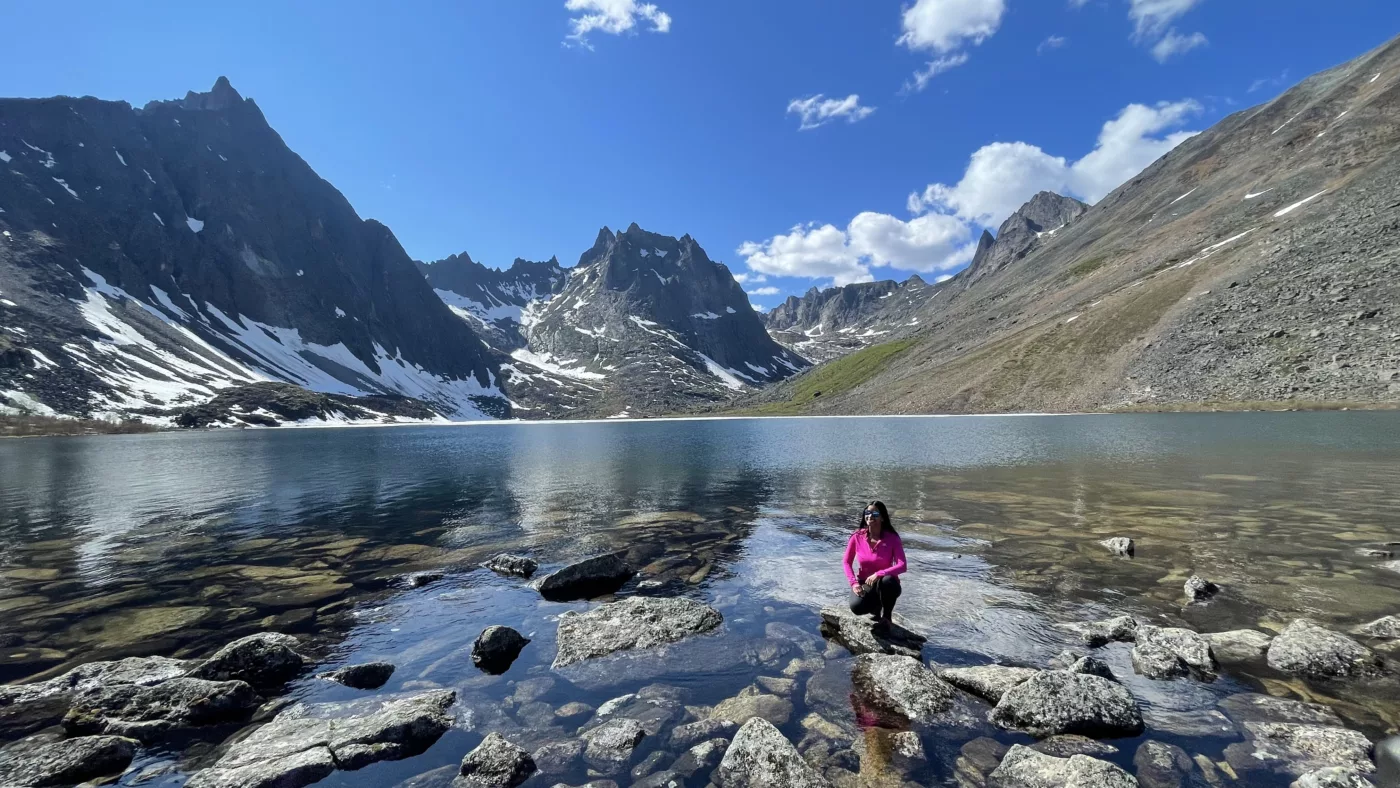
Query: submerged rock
point(495, 763)
point(1199, 589)
point(307, 742)
point(1306, 649)
point(753, 702)
point(149, 713)
point(1171, 652)
point(1025, 768)
point(1386, 628)
point(1120, 545)
point(1057, 701)
point(558, 757)
point(701, 758)
point(1238, 645)
point(517, 565)
point(1067, 744)
point(25, 708)
point(264, 660)
point(858, 635)
point(585, 579)
point(366, 676)
point(1162, 765)
point(47, 760)
point(989, 682)
point(1254, 707)
point(609, 747)
point(1122, 629)
point(1297, 749)
point(496, 648)
point(902, 685)
point(633, 623)
point(1332, 777)
point(683, 737)
point(761, 757)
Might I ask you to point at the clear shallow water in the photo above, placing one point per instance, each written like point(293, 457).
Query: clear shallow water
point(173, 544)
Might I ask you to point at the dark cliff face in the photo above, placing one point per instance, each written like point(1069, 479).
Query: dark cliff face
point(215, 254)
point(826, 324)
point(495, 302)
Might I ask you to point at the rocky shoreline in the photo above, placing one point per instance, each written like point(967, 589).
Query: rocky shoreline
point(980, 726)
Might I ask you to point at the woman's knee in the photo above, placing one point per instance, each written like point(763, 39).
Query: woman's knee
point(889, 584)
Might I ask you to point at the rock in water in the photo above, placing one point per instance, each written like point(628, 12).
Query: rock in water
point(1199, 589)
point(585, 579)
point(1296, 749)
point(507, 564)
point(496, 648)
point(635, 622)
point(1057, 701)
point(1306, 649)
point(264, 660)
point(25, 708)
point(495, 763)
point(1092, 666)
point(1025, 768)
point(367, 676)
point(1120, 545)
point(683, 737)
point(1161, 765)
point(701, 759)
point(857, 634)
point(1332, 777)
point(1122, 629)
point(1254, 707)
point(149, 713)
point(1387, 628)
point(307, 742)
point(1238, 645)
point(609, 747)
point(1170, 652)
point(901, 685)
point(988, 682)
point(45, 760)
point(753, 702)
point(761, 757)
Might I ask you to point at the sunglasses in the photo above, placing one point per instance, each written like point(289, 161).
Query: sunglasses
point(871, 515)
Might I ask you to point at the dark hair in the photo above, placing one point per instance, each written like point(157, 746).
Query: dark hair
point(884, 516)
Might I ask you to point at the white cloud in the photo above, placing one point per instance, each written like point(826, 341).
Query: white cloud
point(750, 278)
point(763, 291)
point(933, 242)
point(945, 27)
point(1152, 17)
point(1174, 43)
point(819, 110)
point(758, 307)
point(1052, 42)
point(1001, 176)
point(613, 17)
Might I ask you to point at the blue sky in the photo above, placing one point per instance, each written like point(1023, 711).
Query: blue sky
point(482, 125)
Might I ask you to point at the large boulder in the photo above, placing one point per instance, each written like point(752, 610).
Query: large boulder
point(608, 748)
point(1122, 629)
point(1172, 652)
point(496, 648)
point(761, 757)
point(365, 676)
point(585, 579)
point(633, 623)
point(495, 763)
point(306, 742)
point(517, 565)
point(989, 682)
point(150, 713)
point(1238, 645)
point(1025, 768)
point(1297, 748)
point(902, 685)
point(265, 660)
point(1306, 649)
point(46, 760)
point(858, 635)
point(1058, 701)
point(25, 708)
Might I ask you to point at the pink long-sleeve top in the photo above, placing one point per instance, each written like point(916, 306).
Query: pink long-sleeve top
point(884, 560)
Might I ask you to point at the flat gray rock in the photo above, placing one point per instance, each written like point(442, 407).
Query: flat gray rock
point(1172, 652)
point(517, 565)
point(1067, 744)
point(761, 757)
point(306, 742)
point(683, 737)
point(558, 757)
point(609, 748)
point(1306, 649)
point(858, 636)
point(752, 702)
point(902, 685)
point(989, 682)
point(149, 713)
point(1255, 707)
point(25, 708)
point(1025, 768)
point(633, 623)
point(1120, 629)
point(1296, 749)
point(1238, 645)
point(48, 760)
point(495, 763)
point(585, 579)
point(264, 660)
point(1057, 701)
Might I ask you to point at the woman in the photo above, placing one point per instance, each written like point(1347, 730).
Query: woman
point(876, 548)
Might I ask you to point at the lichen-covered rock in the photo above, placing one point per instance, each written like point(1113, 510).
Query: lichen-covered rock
point(1067, 744)
point(902, 685)
point(633, 623)
point(1025, 768)
point(986, 681)
point(1238, 645)
point(517, 565)
point(264, 660)
point(306, 742)
point(496, 648)
point(48, 760)
point(585, 579)
point(858, 635)
point(365, 676)
point(609, 748)
point(1092, 666)
point(25, 708)
point(1122, 629)
point(753, 702)
point(1296, 749)
point(1199, 589)
point(1332, 777)
point(1057, 701)
point(1172, 652)
point(1120, 545)
point(1386, 628)
point(761, 757)
point(701, 758)
point(683, 737)
point(1255, 707)
point(1162, 765)
point(1306, 649)
point(149, 713)
point(495, 763)
point(558, 757)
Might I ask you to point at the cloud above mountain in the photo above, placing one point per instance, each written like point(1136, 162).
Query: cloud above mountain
point(613, 17)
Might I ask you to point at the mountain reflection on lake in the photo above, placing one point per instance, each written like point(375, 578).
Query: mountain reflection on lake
point(174, 544)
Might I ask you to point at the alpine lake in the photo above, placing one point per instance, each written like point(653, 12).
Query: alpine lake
point(174, 544)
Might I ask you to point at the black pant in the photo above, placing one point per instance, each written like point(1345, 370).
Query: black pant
point(878, 600)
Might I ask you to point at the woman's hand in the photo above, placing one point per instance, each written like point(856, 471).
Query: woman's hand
point(858, 589)
point(869, 584)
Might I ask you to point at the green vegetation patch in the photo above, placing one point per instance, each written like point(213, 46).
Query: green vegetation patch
point(834, 377)
point(1083, 268)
